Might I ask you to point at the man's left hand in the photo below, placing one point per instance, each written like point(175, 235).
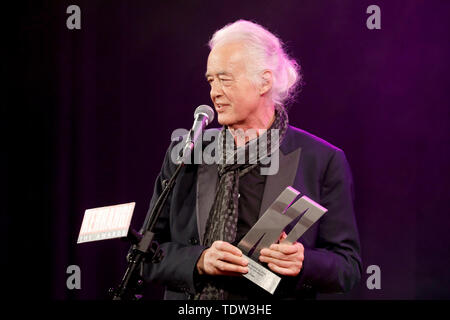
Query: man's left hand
point(284, 258)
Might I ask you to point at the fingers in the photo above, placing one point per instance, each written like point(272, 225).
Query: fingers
point(280, 251)
point(227, 252)
point(225, 246)
point(286, 247)
point(285, 271)
point(222, 258)
point(280, 263)
point(284, 259)
point(283, 236)
point(230, 258)
point(226, 267)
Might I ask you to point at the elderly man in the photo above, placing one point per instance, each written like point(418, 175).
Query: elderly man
point(213, 206)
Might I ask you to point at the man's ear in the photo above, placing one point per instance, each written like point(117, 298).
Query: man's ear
point(266, 82)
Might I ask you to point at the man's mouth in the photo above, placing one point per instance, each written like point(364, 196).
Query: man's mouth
point(220, 107)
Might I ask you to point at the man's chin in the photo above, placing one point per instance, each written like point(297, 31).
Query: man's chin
point(224, 120)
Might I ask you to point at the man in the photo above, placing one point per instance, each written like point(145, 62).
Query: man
point(213, 206)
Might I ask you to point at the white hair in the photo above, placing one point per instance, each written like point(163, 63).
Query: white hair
point(265, 53)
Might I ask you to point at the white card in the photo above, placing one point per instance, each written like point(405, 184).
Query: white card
point(106, 222)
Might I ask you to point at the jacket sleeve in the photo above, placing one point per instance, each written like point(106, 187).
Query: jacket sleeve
point(176, 269)
point(334, 264)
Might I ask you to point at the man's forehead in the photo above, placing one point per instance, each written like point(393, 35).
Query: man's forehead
point(225, 59)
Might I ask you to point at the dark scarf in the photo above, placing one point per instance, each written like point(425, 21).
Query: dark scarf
point(223, 217)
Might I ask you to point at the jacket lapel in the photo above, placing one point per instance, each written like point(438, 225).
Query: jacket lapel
point(275, 184)
point(207, 177)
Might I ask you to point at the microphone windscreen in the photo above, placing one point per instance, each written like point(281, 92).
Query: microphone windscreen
point(206, 110)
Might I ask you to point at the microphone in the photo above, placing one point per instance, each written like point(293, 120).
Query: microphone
point(203, 116)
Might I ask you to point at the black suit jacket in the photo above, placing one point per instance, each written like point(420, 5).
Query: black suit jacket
point(312, 166)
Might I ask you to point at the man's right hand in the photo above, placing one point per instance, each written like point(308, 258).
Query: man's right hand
point(222, 258)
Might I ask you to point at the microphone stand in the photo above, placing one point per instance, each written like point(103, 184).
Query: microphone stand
point(144, 248)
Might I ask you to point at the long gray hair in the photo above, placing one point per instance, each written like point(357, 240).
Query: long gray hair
point(266, 52)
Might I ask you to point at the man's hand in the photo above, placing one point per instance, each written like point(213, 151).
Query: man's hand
point(284, 258)
point(222, 258)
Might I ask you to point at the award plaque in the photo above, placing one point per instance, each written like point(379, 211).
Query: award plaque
point(283, 212)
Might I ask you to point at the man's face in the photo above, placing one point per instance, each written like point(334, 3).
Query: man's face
point(235, 98)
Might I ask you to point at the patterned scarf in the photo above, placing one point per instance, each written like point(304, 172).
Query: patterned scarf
point(223, 217)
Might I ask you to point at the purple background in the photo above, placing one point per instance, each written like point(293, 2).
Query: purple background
point(87, 116)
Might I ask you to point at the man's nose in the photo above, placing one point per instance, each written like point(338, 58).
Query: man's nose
point(216, 90)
